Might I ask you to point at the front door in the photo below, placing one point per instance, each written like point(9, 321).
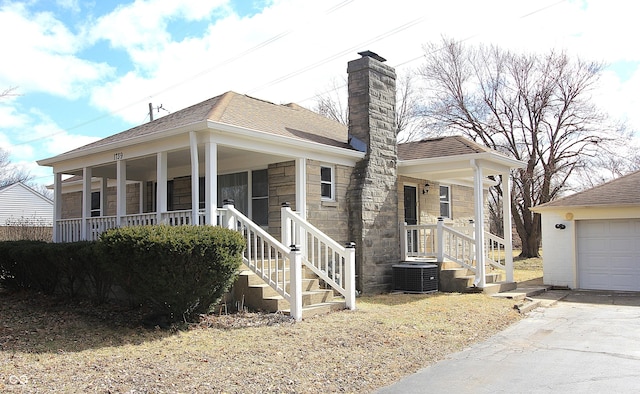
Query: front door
point(411, 215)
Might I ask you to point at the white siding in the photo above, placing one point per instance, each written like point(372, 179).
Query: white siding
point(18, 201)
point(558, 250)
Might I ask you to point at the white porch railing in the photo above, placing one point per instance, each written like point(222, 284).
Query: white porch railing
point(332, 262)
point(441, 242)
point(71, 230)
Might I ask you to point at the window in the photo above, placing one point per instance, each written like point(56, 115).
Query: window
point(95, 204)
point(327, 185)
point(260, 197)
point(445, 201)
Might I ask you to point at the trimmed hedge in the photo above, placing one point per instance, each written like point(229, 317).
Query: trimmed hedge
point(180, 271)
point(67, 268)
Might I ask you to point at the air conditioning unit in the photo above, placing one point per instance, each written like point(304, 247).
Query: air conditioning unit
point(415, 277)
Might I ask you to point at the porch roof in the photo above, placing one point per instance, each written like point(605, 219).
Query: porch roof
point(449, 158)
point(233, 109)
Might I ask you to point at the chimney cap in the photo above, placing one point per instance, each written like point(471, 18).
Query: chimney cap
point(372, 55)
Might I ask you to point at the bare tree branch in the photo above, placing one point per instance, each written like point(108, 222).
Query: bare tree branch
point(535, 108)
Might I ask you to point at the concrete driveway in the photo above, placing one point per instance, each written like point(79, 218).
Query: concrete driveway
point(589, 342)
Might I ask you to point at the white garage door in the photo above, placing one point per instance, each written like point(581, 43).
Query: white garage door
point(609, 254)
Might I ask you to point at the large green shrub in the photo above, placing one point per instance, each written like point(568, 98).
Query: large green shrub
point(179, 271)
point(29, 264)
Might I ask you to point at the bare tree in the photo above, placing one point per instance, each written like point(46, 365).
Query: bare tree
point(333, 104)
point(534, 108)
point(9, 173)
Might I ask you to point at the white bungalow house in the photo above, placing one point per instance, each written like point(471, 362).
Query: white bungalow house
point(591, 239)
point(351, 186)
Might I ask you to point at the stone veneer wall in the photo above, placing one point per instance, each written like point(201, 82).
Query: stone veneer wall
point(72, 202)
point(462, 209)
point(330, 217)
point(373, 193)
point(282, 188)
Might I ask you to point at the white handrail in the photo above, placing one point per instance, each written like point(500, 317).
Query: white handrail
point(277, 264)
point(440, 241)
point(332, 262)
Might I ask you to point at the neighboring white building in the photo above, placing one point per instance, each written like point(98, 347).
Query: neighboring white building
point(591, 239)
point(19, 202)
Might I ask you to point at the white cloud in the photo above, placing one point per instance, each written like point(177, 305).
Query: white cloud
point(40, 54)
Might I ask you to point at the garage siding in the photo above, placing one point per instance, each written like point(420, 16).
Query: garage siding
point(608, 254)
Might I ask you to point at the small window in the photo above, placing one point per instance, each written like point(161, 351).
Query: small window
point(327, 183)
point(95, 204)
point(445, 202)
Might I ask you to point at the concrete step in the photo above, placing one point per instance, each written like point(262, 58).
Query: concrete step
point(498, 287)
point(320, 309)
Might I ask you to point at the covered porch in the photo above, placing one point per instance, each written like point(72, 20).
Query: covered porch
point(469, 244)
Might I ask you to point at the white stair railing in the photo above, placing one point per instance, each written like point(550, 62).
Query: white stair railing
point(276, 264)
point(332, 262)
point(443, 242)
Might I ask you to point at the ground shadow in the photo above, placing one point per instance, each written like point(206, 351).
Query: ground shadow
point(36, 323)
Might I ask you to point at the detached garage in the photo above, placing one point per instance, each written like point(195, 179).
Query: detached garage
point(591, 240)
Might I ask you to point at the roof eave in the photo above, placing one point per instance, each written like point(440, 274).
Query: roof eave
point(284, 140)
point(547, 207)
point(489, 156)
point(123, 143)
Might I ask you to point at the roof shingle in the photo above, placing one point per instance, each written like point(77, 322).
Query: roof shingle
point(439, 147)
point(242, 111)
point(621, 191)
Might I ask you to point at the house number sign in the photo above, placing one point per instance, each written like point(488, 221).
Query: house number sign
point(118, 156)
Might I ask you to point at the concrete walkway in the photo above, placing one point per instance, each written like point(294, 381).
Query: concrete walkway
point(588, 342)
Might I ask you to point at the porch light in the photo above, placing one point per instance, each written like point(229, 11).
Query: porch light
point(425, 189)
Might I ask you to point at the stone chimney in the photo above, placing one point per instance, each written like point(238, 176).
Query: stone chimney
point(373, 192)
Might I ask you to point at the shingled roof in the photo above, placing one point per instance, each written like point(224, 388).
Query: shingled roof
point(439, 147)
point(618, 192)
point(235, 109)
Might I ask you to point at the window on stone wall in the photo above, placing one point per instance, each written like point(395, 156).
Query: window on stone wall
point(327, 183)
point(445, 201)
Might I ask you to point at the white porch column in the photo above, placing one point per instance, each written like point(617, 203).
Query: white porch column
point(211, 182)
point(195, 178)
point(301, 187)
point(121, 191)
point(57, 205)
point(506, 224)
point(301, 201)
point(161, 192)
point(86, 203)
point(480, 280)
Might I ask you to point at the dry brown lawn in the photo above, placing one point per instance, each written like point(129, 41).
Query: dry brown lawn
point(51, 345)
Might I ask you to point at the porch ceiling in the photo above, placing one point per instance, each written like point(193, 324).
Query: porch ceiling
point(179, 163)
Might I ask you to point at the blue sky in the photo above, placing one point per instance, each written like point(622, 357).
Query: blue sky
point(84, 70)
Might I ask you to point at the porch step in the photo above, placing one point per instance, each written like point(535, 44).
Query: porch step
point(460, 280)
point(258, 295)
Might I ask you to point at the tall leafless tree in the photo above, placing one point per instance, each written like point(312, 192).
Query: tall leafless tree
point(532, 107)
